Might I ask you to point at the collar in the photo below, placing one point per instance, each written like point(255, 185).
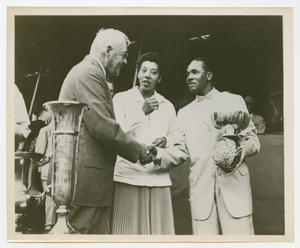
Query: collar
point(95, 58)
point(135, 94)
point(214, 95)
point(207, 96)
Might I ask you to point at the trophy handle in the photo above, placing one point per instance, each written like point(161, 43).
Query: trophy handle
point(230, 122)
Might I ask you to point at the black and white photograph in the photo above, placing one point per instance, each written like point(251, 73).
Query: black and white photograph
point(158, 124)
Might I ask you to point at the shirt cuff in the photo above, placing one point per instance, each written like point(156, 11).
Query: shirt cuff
point(157, 160)
point(166, 141)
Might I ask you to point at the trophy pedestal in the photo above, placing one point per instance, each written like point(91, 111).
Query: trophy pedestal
point(61, 226)
point(229, 131)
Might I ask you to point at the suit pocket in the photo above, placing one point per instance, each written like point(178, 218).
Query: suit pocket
point(243, 169)
point(97, 163)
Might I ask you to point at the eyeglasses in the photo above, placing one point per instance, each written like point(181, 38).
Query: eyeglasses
point(123, 54)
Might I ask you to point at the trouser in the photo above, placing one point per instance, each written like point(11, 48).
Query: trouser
point(89, 220)
point(221, 221)
point(50, 209)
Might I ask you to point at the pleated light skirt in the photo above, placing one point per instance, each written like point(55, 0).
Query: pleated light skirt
point(142, 210)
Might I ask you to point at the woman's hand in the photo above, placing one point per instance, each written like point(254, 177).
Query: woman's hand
point(160, 142)
point(150, 105)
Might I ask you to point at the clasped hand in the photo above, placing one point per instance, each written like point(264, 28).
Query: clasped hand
point(160, 142)
point(148, 154)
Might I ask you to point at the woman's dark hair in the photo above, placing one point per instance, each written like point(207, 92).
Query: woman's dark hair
point(152, 57)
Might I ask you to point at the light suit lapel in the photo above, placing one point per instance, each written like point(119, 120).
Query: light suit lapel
point(203, 111)
point(205, 108)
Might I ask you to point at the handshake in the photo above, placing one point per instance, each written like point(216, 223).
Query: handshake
point(148, 154)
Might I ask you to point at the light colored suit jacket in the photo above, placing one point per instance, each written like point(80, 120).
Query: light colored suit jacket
point(101, 137)
point(193, 139)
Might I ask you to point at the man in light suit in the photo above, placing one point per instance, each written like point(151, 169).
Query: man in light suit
point(219, 205)
point(257, 120)
point(101, 138)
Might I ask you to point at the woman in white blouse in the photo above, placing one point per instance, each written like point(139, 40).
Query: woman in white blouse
point(142, 201)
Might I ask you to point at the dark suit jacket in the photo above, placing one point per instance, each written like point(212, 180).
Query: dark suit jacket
point(101, 138)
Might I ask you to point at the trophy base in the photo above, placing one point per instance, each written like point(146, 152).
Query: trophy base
point(61, 226)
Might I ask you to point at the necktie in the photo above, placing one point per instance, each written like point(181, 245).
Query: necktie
point(201, 98)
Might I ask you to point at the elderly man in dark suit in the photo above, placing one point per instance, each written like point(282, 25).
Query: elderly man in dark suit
point(101, 138)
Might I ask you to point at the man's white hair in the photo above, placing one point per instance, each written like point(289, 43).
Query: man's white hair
point(106, 37)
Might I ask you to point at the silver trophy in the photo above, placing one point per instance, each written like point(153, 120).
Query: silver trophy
point(66, 121)
point(229, 151)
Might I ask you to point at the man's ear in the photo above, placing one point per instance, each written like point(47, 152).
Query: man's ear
point(159, 79)
point(209, 75)
point(107, 50)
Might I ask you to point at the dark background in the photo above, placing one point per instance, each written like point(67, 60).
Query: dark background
point(246, 50)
